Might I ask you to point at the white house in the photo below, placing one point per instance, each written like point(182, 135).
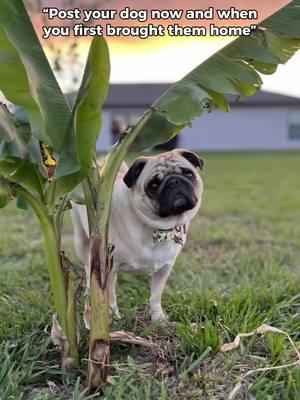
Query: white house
point(265, 121)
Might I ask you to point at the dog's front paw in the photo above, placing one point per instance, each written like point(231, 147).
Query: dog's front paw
point(115, 313)
point(158, 316)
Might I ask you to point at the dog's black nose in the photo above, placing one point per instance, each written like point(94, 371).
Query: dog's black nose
point(173, 182)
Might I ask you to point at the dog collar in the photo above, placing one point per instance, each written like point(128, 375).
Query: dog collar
point(176, 234)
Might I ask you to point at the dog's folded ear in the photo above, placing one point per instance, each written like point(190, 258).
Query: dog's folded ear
point(134, 172)
point(193, 158)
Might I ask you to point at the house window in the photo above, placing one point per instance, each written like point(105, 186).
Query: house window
point(294, 125)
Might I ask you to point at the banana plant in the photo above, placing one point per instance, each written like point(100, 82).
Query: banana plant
point(43, 155)
point(24, 169)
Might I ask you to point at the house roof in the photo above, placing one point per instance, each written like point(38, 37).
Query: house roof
point(143, 95)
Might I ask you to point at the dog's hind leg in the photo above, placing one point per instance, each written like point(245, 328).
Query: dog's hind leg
point(112, 294)
point(81, 240)
point(82, 249)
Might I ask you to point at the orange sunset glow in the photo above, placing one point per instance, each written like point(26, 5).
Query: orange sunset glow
point(166, 59)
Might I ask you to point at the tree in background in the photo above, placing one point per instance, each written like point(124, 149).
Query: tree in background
point(67, 65)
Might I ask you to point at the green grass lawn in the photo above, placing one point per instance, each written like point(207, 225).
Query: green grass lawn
point(239, 269)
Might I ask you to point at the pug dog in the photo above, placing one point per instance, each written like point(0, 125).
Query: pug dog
point(153, 203)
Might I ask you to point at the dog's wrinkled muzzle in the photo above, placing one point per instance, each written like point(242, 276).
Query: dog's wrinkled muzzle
point(176, 196)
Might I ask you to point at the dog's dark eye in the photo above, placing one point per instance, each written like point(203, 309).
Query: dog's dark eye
point(153, 185)
point(188, 173)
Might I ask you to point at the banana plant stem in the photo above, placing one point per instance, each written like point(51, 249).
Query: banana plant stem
point(61, 289)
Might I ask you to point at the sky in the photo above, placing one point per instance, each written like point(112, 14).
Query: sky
point(167, 59)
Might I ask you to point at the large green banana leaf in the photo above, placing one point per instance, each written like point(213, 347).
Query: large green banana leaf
point(13, 136)
point(86, 120)
point(26, 78)
point(231, 71)
point(5, 193)
point(19, 159)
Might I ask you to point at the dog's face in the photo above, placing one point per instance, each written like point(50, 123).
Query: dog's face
point(166, 189)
